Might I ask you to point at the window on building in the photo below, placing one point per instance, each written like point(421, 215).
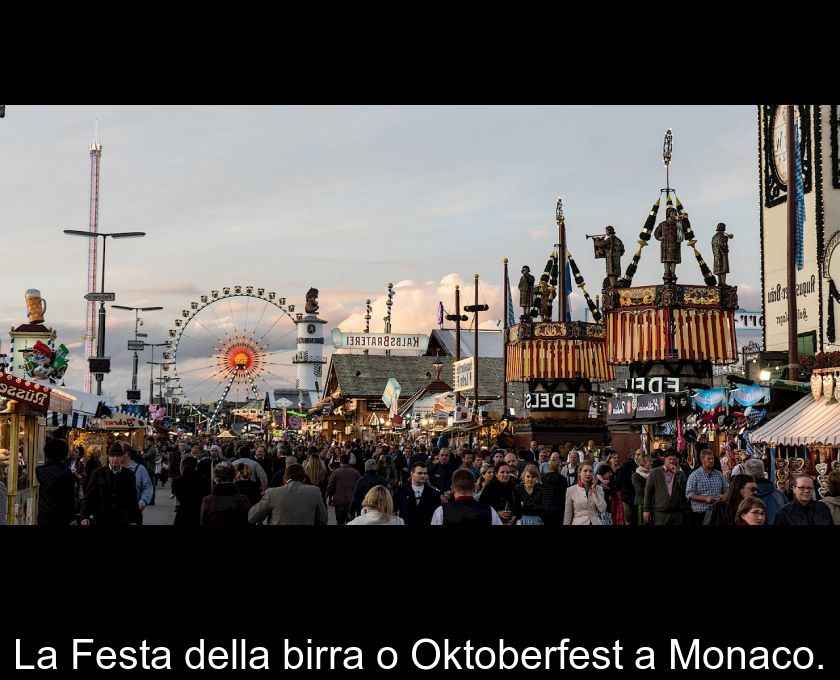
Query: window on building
point(807, 343)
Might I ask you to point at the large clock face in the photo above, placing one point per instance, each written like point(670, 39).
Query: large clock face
point(780, 142)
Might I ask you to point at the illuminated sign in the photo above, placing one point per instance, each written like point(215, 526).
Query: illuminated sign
point(23, 391)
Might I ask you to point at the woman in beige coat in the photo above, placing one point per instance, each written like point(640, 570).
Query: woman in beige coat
point(585, 499)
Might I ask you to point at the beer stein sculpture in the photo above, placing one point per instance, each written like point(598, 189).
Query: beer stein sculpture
point(36, 306)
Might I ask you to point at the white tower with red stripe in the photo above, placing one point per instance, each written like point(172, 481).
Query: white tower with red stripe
point(90, 326)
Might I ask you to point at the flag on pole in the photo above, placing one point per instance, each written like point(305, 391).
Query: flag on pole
point(440, 314)
point(511, 315)
point(568, 291)
point(799, 197)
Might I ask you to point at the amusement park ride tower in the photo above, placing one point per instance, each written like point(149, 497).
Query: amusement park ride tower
point(90, 332)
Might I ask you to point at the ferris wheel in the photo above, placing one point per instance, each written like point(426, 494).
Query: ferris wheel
point(228, 345)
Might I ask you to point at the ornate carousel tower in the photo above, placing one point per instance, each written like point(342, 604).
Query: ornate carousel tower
point(671, 329)
point(557, 364)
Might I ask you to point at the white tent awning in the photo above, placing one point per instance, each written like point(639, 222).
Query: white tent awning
point(806, 423)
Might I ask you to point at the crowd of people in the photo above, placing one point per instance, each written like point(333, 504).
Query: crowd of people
point(295, 483)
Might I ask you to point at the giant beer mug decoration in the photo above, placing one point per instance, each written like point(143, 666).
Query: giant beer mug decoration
point(36, 306)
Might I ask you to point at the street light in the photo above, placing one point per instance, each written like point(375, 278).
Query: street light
point(152, 368)
point(134, 394)
point(100, 340)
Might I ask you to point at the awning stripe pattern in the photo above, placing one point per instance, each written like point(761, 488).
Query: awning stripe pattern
point(558, 358)
point(806, 423)
point(647, 335)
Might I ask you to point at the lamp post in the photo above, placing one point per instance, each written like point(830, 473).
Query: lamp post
point(152, 368)
point(752, 348)
point(137, 322)
point(100, 340)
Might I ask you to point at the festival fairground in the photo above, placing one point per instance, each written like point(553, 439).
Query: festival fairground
point(295, 332)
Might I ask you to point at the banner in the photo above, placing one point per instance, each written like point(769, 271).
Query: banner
point(799, 197)
point(391, 395)
point(748, 395)
point(464, 374)
point(511, 315)
point(706, 400)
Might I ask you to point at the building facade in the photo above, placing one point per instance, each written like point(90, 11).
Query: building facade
point(818, 303)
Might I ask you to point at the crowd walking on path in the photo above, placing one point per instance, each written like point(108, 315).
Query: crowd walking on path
point(243, 483)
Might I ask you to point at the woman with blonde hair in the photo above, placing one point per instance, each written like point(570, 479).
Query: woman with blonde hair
point(377, 508)
point(531, 496)
point(316, 471)
point(484, 477)
point(585, 500)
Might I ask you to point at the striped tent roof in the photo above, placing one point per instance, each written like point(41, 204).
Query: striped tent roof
point(807, 422)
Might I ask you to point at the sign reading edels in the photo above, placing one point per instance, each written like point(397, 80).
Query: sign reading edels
point(550, 401)
point(656, 385)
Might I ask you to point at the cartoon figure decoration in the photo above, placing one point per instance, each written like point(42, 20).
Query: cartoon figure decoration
point(157, 412)
point(42, 363)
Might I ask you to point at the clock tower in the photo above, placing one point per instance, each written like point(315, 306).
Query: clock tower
point(817, 299)
point(309, 357)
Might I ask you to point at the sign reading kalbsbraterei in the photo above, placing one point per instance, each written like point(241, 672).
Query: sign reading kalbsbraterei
point(391, 341)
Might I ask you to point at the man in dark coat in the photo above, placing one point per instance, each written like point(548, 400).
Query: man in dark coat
point(111, 497)
point(624, 481)
point(190, 489)
point(665, 501)
point(440, 474)
point(341, 486)
point(366, 482)
point(417, 500)
point(56, 496)
point(804, 510)
point(225, 507)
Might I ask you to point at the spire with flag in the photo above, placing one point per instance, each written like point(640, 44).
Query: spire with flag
point(568, 291)
point(511, 315)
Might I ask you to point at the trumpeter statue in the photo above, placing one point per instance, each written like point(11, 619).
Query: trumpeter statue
point(614, 251)
point(526, 292)
point(720, 251)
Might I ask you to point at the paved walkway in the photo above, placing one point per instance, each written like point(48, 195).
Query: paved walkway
point(163, 511)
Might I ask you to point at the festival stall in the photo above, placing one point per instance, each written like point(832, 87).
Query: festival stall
point(805, 438)
point(670, 331)
point(103, 431)
point(726, 417)
point(27, 395)
point(23, 429)
point(559, 364)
